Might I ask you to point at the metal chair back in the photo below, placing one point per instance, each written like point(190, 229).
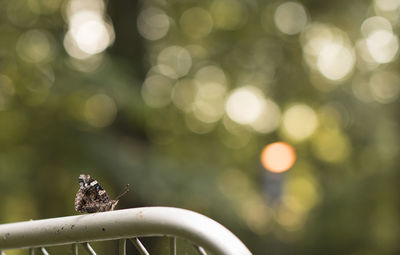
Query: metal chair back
point(129, 224)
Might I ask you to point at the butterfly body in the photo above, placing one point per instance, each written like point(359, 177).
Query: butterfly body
point(91, 197)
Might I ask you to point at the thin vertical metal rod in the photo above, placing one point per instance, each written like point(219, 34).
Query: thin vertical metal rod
point(74, 249)
point(200, 250)
point(31, 251)
point(172, 246)
point(43, 250)
point(122, 247)
point(89, 249)
point(139, 246)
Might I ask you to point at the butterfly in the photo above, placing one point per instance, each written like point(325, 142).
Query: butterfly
point(91, 197)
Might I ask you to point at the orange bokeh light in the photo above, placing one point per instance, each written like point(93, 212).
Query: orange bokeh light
point(278, 157)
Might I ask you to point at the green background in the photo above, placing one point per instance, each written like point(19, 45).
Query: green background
point(63, 115)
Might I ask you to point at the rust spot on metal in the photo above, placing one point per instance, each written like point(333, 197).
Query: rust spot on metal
point(139, 214)
point(6, 236)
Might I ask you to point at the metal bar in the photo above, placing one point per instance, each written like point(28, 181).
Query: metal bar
point(122, 247)
point(200, 250)
point(43, 250)
point(147, 221)
point(89, 249)
point(172, 246)
point(139, 246)
point(31, 251)
point(74, 249)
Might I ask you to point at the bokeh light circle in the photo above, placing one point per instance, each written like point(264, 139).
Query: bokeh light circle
point(335, 61)
point(153, 23)
point(290, 18)
point(196, 22)
point(299, 122)
point(174, 61)
point(278, 157)
point(244, 105)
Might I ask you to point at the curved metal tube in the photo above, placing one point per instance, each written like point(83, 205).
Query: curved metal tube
point(120, 224)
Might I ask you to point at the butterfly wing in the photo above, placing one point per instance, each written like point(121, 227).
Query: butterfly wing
point(91, 197)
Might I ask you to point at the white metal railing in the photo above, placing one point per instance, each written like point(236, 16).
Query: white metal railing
point(128, 224)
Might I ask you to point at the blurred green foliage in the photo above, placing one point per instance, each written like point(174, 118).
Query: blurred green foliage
point(178, 98)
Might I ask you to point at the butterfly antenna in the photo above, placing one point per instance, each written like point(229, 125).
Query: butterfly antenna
point(124, 191)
